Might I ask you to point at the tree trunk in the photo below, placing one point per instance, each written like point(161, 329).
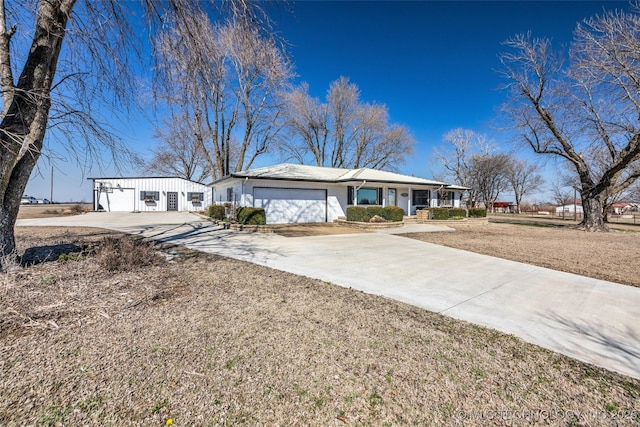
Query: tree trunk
point(7, 238)
point(593, 219)
point(24, 124)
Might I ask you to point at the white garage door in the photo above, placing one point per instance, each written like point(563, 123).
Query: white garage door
point(291, 205)
point(120, 200)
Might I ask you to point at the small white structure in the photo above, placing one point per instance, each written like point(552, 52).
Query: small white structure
point(569, 209)
point(300, 193)
point(146, 194)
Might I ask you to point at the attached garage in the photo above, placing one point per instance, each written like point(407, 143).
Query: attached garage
point(291, 205)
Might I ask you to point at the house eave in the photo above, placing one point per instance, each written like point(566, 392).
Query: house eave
point(328, 181)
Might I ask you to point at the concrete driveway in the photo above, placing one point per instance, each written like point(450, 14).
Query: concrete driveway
point(587, 319)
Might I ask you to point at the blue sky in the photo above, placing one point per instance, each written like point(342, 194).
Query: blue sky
point(433, 63)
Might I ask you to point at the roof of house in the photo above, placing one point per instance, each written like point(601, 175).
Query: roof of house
point(291, 172)
point(143, 177)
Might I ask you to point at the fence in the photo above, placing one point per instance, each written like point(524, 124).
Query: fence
point(632, 218)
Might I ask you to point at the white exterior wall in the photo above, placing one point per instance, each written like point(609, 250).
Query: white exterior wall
point(404, 201)
point(121, 189)
point(220, 191)
point(243, 191)
point(336, 202)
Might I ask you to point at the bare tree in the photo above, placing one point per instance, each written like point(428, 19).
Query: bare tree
point(180, 152)
point(585, 111)
point(378, 145)
point(51, 92)
point(456, 160)
point(307, 118)
point(227, 86)
point(562, 196)
point(488, 176)
point(342, 102)
point(633, 193)
point(343, 132)
point(523, 178)
point(46, 87)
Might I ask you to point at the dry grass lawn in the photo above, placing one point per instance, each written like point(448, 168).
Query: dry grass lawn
point(52, 210)
point(129, 334)
point(607, 256)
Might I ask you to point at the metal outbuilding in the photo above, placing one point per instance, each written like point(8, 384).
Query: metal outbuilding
point(144, 194)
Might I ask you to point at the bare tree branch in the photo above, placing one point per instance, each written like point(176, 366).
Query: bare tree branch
point(586, 111)
point(343, 132)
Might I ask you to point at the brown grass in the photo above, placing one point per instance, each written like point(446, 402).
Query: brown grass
point(204, 340)
point(607, 256)
point(52, 210)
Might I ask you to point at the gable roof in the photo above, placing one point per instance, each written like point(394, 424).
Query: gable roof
point(291, 172)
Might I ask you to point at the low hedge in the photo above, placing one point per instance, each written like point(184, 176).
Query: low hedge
point(362, 214)
point(457, 213)
point(375, 210)
point(477, 213)
point(251, 216)
point(356, 213)
point(394, 213)
point(439, 213)
point(216, 211)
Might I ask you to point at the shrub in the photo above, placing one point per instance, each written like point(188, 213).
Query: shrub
point(457, 213)
point(376, 210)
point(439, 213)
point(78, 208)
point(216, 211)
point(356, 213)
point(71, 256)
point(477, 213)
point(251, 216)
point(126, 253)
point(393, 213)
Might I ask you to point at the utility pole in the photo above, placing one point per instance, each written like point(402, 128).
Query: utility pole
point(51, 193)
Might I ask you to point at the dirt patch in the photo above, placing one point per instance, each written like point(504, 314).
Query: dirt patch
point(204, 340)
point(608, 256)
point(320, 229)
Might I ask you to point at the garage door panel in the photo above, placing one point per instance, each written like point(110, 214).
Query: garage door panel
point(291, 205)
point(120, 200)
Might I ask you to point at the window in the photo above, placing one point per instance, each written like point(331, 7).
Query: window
point(446, 198)
point(150, 196)
point(421, 198)
point(391, 197)
point(195, 198)
point(229, 194)
point(368, 196)
point(365, 196)
point(451, 196)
